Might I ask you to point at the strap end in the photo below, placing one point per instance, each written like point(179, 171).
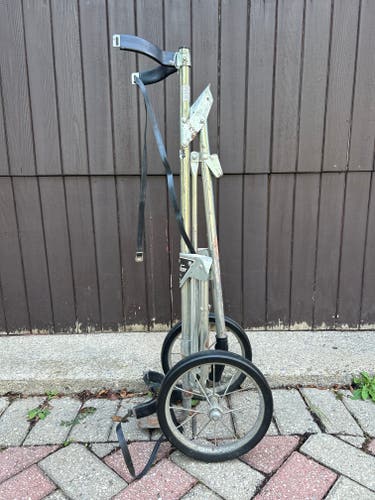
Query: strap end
point(139, 257)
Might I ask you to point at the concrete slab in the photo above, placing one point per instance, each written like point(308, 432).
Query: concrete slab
point(71, 363)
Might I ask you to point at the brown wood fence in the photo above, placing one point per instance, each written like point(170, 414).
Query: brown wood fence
point(293, 122)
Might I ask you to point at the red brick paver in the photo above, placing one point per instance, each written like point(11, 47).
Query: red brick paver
point(299, 478)
point(31, 484)
point(140, 452)
point(371, 447)
point(271, 452)
point(14, 460)
point(166, 480)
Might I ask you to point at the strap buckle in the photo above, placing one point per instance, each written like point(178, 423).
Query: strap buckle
point(133, 77)
point(139, 257)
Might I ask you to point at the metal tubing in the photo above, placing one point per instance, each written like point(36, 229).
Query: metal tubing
point(209, 204)
point(184, 72)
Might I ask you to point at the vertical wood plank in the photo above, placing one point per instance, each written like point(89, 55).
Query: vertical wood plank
point(124, 94)
point(205, 64)
point(69, 86)
point(304, 238)
point(230, 243)
point(328, 250)
point(177, 34)
point(146, 27)
point(81, 230)
point(4, 166)
point(42, 86)
point(233, 80)
point(340, 88)
point(363, 126)
point(15, 88)
point(368, 293)
point(34, 253)
point(260, 74)
point(255, 250)
point(58, 252)
point(352, 250)
point(95, 40)
point(287, 77)
point(3, 324)
point(157, 253)
point(11, 273)
point(135, 300)
point(108, 255)
point(313, 91)
point(279, 249)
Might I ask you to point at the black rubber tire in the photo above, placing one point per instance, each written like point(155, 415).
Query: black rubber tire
point(209, 357)
point(230, 324)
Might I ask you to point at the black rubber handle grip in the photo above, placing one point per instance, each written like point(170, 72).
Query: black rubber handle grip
point(142, 46)
point(156, 75)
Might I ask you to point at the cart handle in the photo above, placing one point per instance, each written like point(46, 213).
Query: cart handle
point(166, 59)
point(138, 44)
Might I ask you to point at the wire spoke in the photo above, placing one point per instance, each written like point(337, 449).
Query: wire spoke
point(186, 421)
point(237, 391)
point(201, 388)
point(236, 409)
point(228, 428)
point(178, 408)
point(203, 427)
point(178, 388)
point(229, 384)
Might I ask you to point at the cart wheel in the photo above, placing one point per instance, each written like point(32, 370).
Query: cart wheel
point(219, 423)
point(238, 342)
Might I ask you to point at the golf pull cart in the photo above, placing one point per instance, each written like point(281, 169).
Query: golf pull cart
point(212, 404)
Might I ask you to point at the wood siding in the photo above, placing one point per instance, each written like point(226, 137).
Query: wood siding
point(294, 124)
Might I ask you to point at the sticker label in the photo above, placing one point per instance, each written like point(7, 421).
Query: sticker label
point(186, 92)
point(184, 267)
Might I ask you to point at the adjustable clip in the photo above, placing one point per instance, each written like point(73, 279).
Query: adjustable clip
point(133, 77)
point(139, 256)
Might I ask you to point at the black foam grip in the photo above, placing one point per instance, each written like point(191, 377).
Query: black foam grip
point(142, 46)
point(156, 74)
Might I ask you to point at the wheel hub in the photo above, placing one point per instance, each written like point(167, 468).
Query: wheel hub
point(215, 414)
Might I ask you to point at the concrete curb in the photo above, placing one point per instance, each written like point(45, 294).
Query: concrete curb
point(72, 363)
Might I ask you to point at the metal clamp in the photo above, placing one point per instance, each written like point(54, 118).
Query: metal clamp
point(198, 117)
point(194, 266)
point(133, 77)
point(116, 40)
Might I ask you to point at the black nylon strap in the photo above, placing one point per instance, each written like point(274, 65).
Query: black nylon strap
point(128, 458)
point(169, 174)
point(142, 46)
point(142, 198)
point(156, 74)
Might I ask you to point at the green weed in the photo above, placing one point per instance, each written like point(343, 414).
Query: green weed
point(364, 387)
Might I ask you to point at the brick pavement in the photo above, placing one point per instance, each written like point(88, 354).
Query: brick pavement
point(320, 446)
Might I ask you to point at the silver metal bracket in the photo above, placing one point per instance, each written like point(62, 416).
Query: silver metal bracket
point(194, 162)
point(133, 77)
point(182, 58)
point(194, 266)
point(213, 163)
point(116, 40)
point(198, 117)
